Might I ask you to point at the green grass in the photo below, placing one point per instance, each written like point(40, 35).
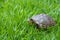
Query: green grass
point(14, 15)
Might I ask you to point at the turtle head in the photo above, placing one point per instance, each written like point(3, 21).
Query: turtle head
point(30, 21)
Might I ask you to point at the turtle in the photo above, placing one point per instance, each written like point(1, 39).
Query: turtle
point(42, 20)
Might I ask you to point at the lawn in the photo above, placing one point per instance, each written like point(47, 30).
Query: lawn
point(14, 15)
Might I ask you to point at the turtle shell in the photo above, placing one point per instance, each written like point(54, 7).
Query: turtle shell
point(42, 20)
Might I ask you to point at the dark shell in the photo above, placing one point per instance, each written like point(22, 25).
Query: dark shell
point(42, 20)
